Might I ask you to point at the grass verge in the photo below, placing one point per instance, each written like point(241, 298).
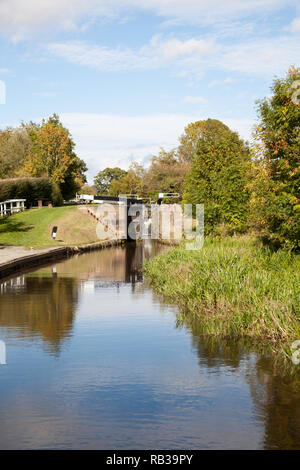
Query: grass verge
point(32, 228)
point(234, 288)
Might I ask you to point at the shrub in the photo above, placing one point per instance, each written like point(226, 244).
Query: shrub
point(31, 189)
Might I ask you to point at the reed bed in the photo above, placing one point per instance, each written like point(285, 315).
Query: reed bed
point(235, 287)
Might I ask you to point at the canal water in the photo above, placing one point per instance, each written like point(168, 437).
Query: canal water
point(95, 360)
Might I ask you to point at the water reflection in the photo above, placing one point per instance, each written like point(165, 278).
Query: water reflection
point(46, 302)
point(119, 264)
point(42, 307)
point(96, 360)
point(273, 385)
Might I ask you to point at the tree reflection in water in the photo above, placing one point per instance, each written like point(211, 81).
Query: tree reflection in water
point(44, 308)
point(274, 385)
point(47, 300)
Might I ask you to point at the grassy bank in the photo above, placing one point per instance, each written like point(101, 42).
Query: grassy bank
point(235, 287)
point(33, 228)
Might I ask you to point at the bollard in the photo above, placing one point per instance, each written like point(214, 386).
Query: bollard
point(54, 232)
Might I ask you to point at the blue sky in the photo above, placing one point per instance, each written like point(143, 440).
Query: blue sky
point(127, 76)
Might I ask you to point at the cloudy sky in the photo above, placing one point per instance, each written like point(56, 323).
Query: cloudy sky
point(127, 76)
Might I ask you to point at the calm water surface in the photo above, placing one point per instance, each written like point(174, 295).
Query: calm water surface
point(96, 360)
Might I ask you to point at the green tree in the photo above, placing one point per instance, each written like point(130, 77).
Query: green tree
point(15, 145)
point(217, 177)
point(87, 189)
point(74, 179)
point(277, 206)
point(134, 179)
point(166, 174)
point(190, 138)
point(104, 178)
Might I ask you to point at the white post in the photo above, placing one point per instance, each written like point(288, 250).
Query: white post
point(2, 353)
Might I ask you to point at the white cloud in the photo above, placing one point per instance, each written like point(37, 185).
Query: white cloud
point(113, 140)
point(22, 18)
point(100, 57)
point(243, 127)
point(4, 71)
point(209, 11)
point(262, 56)
point(295, 26)
point(173, 49)
point(188, 58)
point(226, 81)
point(158, 53)
point(195, 100)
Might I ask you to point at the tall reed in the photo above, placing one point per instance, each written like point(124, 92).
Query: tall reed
point(234, 287)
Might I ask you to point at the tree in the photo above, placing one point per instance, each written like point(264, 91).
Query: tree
point(278, 206)
point(31, 189)
point(87, 189)
point(14, 147)
point(217, 177)
point(75, 178)
point(191, 136)
point(134, 179)
point(105, 177)
point(166, 174)
point(52, 155)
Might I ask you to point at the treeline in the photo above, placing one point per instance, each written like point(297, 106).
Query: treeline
point(31, 189)
point(210, 166)
point(43, 150)
point(243, 187)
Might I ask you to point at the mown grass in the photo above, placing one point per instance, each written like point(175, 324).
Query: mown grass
point(32, 228)
point(235, 287)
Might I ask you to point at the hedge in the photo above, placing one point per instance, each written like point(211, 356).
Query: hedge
point(31, 189)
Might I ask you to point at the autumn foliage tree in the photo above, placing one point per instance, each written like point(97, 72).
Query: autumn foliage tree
point(276, 192)
point(52, 155)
